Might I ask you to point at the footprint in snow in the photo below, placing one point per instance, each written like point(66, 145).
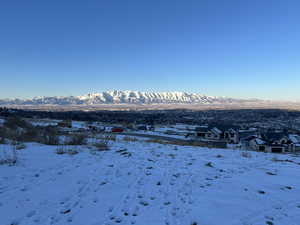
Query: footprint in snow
point(96, 200)
point(31, 213)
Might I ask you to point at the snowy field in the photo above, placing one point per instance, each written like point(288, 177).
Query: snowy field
point(149, 184)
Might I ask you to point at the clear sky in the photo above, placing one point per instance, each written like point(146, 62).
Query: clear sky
point(236, 48)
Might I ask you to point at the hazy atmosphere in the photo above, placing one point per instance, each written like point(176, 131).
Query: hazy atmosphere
point(240, 49)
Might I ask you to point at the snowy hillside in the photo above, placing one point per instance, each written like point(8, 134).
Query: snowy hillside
point(126, 97)
point(150, 184)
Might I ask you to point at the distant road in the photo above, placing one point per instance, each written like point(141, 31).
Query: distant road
point(172, 139)
point(160, 137)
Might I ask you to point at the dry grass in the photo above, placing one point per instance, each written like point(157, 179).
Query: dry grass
point(72, 151)
point(156, 141)
point(275, 159)
point(101, 146)
point(102, 142)
point(20, 146)
point(63, 150)
point(130, 139)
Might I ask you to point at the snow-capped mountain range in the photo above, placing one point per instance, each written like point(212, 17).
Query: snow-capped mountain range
point(127, 97)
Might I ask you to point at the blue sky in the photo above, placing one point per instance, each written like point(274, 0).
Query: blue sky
point(237, 48)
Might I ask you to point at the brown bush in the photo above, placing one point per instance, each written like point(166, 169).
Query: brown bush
point(2, 140)
point(101, 146)
point(246, 155)
point(60, 150)
point(9, 156)
point(16, 122)
point(77, 139)
point(19, 130)
point(102, 142)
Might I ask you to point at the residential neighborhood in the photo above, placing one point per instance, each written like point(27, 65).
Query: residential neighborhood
point(274, 131)
point(279, 141)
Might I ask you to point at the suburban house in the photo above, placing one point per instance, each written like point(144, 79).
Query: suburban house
point(208, 133)
point(142, 127)
point(295, 142)
point(246, 134)
point(276, 142)
point(230, 134)
point(238, 136)
point(96, 128)
point(257, 144)
point(269, 141)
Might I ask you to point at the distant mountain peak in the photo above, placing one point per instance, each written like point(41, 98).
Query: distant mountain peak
point(126, 97)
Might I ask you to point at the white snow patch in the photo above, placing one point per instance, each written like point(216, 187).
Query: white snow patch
point(149, 184)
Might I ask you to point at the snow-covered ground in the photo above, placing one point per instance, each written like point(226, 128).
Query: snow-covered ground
point(149, 184)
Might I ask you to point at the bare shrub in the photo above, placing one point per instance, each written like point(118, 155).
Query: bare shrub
point(246, 155)
point(14, 134)
point(51, 140)
point(63, 150)
point(102, 143)
point(45, 135)
point(8, 161)
point(8, 155)
point(2, 140)
point(31, 134)
point(16, 122)
point(78, 139)
point(49, 136)
point(108, 137)
point(60, 150)
point(17, 129)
